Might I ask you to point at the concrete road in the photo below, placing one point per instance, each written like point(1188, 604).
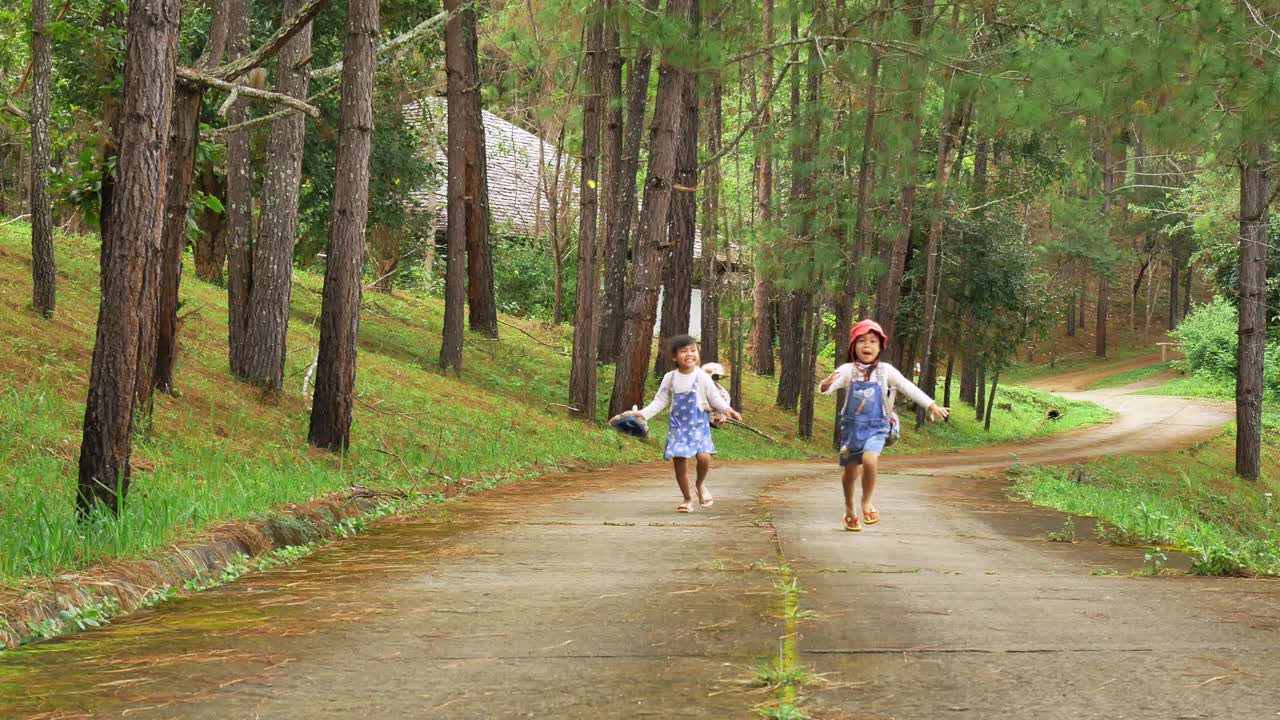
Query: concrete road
point(585, 596)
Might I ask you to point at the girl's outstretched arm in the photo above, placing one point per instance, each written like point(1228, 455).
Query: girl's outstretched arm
point(916, 395)
point(836, 380)
point(660, 401)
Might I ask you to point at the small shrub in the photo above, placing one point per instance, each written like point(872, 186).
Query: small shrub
point(1208, 339)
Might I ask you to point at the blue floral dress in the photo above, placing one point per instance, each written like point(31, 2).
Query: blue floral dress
point(690, 427)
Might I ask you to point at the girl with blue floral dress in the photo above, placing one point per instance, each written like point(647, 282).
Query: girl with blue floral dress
point(867, 420)
point(692, 394)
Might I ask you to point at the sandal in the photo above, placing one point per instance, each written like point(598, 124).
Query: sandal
point(684, 507)
point(851, 523)
point(706, 501)
point(871, 517)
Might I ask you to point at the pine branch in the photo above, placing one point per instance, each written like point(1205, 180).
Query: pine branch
point(195, 76)
point(393, 44)
point(284, 34)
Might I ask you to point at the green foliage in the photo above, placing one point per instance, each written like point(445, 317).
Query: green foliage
point(1208, 338)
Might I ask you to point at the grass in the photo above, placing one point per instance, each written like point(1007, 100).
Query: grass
point(1197, 385)
point(1076, 361)
point(1020, 413)
point(1131, 376)
point(217, 451)
point(1187, 500)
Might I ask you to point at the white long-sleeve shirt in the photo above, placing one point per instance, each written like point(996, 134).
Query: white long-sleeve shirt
point(890, 379)
point(676, 382)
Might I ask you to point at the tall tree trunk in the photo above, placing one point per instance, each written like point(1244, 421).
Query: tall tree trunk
point(1255, 193)
point(844, 305)
point(1173, 287)
point(184, 137)
point(710, 227)
point(812, 331)
point(677, 281)
point(239, 200)
point(980, 395)
point(1071, 314)
point(1084, 284)
point(991, 401)
point(646, 265)
point(622, 203)
point(889, 292)
point(1104, 285)
point(794, 304)
point(184, 140)
point(582, 373)
point(1186, 289)
point(210, 247)
point(946, 393)
point(43, 270)
point(340, 308)
point(948, 136)
point(133, 248)
point(762, 329)
point(482, 304)
point(968, 380)
point(273, 252)
point(455, 289)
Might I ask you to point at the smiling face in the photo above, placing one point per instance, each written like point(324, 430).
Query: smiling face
point(867, 347)
point(687, 358)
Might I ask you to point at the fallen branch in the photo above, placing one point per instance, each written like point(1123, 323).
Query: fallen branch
point(195, 76)
point(540, 341)
point(741, 424)
point(14, 220)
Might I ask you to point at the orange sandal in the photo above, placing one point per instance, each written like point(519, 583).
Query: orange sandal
point(871, 517)
point(851, 523)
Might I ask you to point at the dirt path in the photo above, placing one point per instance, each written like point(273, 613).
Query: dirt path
point(1080, 380)
point(586, 597)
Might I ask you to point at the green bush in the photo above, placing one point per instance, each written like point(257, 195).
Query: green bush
point(1208, 340)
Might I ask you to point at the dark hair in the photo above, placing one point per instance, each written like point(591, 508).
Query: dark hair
point(676, 342)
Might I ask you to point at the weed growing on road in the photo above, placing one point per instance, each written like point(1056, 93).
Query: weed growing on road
point(1153, 562)
point(1066, 535)
point(784, 711)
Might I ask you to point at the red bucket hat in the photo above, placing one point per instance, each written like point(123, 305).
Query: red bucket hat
point(862, 327)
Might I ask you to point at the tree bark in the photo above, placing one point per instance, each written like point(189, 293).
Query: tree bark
point(991, 401)
point(1104, 284)
point(980, 393)
point(211, 245)
point(968, 381)
point(273, 253)
point(582, 373)
point(646, 265)
point(1255, 193)
point(43, 269)
point(340, 307)
point(455, 290)
point(946, 393)
point(1071, 314)
point(184, 140)
point(762, 329)
point(677, 295)
point(239, 199)
point(948, 137)
point(710, 227)
point(622, 204)
point(132, 250)
point(482, 304)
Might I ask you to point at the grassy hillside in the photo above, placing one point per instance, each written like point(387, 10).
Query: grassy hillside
point(218, 451)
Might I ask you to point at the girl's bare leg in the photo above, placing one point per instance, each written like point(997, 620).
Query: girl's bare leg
point(870, 473)
point(682, 476)
point(847, 480)
point(704, 465)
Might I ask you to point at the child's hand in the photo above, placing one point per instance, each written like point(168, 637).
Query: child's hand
point(733, 415)
point(827, 383)
point(937, 412)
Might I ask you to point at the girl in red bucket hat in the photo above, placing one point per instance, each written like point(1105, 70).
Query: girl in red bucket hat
point(868, 423)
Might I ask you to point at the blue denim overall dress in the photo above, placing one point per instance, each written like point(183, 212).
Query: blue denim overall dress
point(689, 431)
point(863, 425)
